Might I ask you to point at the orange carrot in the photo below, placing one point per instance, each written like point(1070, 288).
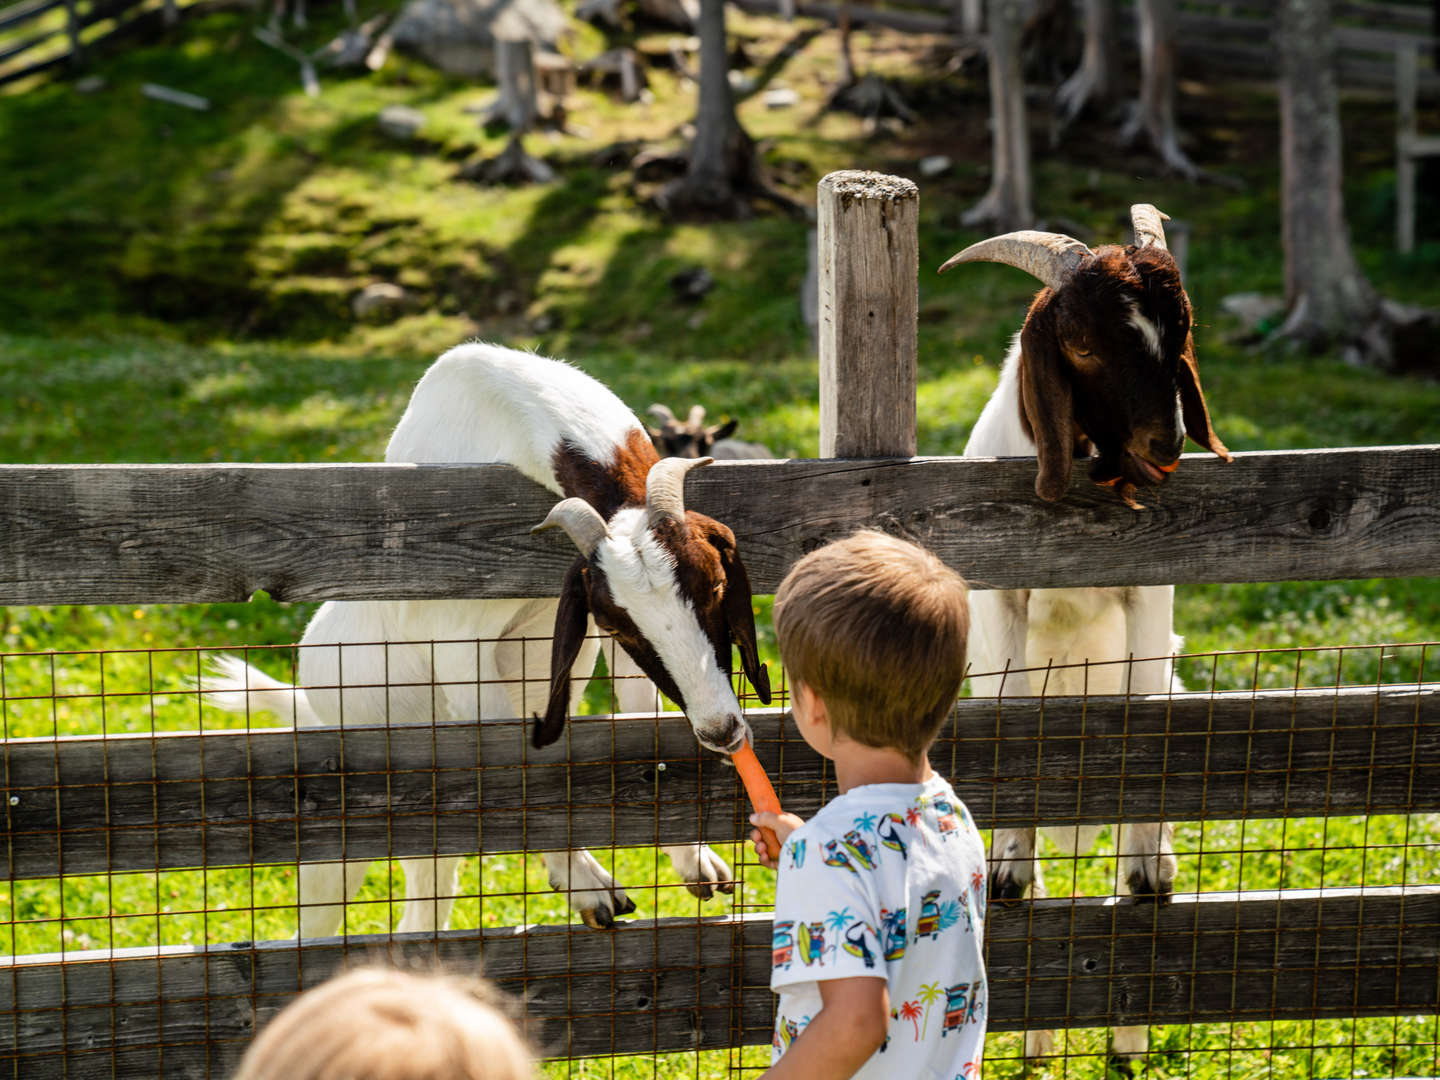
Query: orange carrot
point(762, 795)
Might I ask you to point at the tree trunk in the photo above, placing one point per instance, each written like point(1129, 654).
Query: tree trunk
point(1153, 120)
point(722, 156)
point(847, 62)
point(1095, 80)
point(515, 72)
point(516, 108)
point(1006, 206)
point(1327, 298)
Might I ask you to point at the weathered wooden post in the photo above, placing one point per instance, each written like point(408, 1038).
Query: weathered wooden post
point(869, 251)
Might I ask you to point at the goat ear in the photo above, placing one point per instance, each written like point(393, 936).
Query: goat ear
point(572, 620)
point(725, 430)
point(740, 616)
point(1192, 404)
point(1047, 405)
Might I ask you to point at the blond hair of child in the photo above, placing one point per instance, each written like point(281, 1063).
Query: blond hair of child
point(877, 627)
point(379, 1023)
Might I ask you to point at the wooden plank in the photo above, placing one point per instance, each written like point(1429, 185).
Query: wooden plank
point(25, 11)
point(868, 246)
point(26, 44)
point(198, 533)
point(90, 805)
point(669, 985)
point(16, 74)
point(682, 984)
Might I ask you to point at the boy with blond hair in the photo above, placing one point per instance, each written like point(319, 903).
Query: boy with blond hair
point(380, 1023)
point(880, 900)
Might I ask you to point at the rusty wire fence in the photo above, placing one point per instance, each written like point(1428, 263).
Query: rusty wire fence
point(162, 854)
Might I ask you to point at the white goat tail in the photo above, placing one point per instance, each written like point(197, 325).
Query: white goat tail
point(232, 685)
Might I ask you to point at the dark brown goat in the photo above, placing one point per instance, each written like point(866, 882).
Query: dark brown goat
point(1104, 357)
point(1103, 368)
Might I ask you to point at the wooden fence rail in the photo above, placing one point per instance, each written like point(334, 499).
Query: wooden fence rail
point(686, 984)
point(95, 534)
point(101, 805)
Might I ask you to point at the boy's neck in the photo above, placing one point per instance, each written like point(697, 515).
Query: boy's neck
point(857, 765)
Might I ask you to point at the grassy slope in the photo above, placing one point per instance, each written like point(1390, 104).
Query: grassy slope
point(174, 287)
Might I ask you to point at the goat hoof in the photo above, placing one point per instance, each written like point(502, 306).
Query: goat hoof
point(1122, 1064)
point(625, 906)
point(702, 889)
point(1141, 888)
point(598, 918)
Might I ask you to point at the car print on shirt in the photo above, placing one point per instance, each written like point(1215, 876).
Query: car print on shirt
point(946, 820)
point(782, 944)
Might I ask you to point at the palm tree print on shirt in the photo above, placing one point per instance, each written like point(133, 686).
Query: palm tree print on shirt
point(838, 921)
point(911, 1011)
point(929, 993)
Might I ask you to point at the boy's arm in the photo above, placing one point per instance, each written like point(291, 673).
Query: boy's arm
point(849, 1029)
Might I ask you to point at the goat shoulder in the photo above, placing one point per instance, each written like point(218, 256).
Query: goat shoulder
point(481, 402)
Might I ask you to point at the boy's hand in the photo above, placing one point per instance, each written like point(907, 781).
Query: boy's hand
point(782, 824)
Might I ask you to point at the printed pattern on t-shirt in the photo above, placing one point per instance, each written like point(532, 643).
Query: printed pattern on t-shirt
point(888, 880)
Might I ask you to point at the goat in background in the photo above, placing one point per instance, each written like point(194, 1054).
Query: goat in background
point(666, 582)
point(1103, 368)
point(693, 438)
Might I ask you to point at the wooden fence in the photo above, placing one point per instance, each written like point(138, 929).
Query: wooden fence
point(109, 805)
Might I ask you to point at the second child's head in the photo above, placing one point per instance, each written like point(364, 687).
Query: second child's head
point(876, 627)
point(379, 1023)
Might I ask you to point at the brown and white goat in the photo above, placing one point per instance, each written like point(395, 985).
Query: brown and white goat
point(666, 582)
point(1103, 368)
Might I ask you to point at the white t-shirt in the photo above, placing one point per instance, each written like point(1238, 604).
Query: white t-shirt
point(888, 880)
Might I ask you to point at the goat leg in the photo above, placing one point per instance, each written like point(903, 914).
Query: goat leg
point(702, 870)
point(1147, 859)
point(590, 889)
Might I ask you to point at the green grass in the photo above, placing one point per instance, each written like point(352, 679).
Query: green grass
point(174, 287)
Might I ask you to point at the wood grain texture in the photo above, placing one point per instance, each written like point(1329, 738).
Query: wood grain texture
point(89, 805)
point(682, 984)
point(868, 249)
point(156, 534)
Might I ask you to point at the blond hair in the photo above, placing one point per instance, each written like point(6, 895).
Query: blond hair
point(378, 1023)
point(876, 626)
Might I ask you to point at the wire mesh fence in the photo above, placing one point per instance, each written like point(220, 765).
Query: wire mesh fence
point(163, 853)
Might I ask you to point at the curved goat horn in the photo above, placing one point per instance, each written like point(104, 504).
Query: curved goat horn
point(581, 522)
point(660, 412)
point(1050, 257)
point(1147, 222)
point(696, 417)
point(665, 489)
